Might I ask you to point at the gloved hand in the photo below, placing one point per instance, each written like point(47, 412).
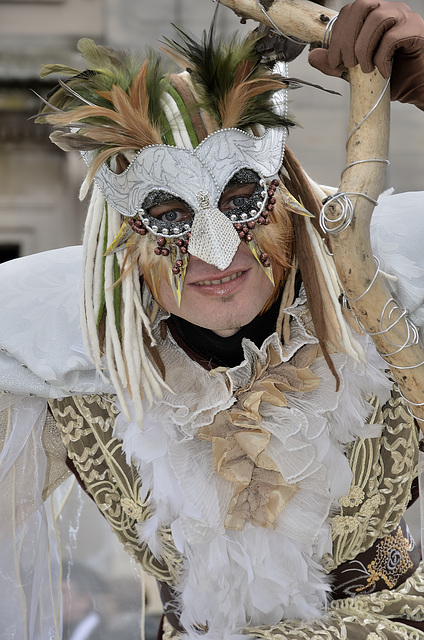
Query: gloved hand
point(383, 34)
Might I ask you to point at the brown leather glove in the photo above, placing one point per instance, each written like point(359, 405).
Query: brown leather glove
point(382, 34)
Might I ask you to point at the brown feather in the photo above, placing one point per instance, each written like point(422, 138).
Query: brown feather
point(174, 55)
point(72, 142)
point(126, 124)
point(235, 102)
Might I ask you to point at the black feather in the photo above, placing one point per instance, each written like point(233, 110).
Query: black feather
point(215, 68)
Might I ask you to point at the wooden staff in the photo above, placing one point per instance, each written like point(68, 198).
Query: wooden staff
point(369, 297)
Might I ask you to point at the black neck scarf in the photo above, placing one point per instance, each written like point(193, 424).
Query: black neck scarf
point(211, 350)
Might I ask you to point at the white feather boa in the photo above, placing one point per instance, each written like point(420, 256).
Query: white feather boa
point(235, 579)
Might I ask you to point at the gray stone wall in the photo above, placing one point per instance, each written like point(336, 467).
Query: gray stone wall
point(41, 31)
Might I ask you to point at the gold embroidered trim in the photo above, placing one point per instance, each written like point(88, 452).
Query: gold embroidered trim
point(391, 560)
point(86, 425)
point(383, 470)
point(354, 498)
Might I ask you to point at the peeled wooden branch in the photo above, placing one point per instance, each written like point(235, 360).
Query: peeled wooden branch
point(351, 248)
point(298, 18)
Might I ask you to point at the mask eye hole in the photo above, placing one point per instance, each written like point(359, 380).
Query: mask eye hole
point(236, 197)
point(244, 196)
point(171, 211)
point(166, 214)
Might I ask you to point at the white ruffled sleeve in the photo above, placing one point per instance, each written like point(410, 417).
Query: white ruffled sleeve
point(29, 550)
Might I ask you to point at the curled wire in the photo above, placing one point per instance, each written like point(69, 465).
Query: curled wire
point(346, 301)
point(274, 26)
point(413, 414)
point(342, 221)
point(347, 210)
point(411, 339)
point(352, 164)
point(415, 404)
point(409, 402)
point(359, 125)
point(412, 334)
point(392, 325)
point(412, 366)
point(328, 31)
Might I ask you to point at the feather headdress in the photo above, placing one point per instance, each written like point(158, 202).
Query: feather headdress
point(117, 103)
point(231, 83)
point(112, 107)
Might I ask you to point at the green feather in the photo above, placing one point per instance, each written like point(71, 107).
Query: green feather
point(120, 66)
point(214, 64)
point(58, 69)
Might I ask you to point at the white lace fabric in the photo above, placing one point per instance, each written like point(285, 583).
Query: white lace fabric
point(29, 559)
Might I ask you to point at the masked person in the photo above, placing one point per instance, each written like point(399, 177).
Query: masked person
point(244, 442)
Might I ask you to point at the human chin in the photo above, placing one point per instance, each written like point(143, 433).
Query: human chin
point(222, 301)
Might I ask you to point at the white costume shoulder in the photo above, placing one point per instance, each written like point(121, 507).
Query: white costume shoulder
point(397, 238)
point(42, 351)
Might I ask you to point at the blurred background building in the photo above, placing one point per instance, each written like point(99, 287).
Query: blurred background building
point(39, 206)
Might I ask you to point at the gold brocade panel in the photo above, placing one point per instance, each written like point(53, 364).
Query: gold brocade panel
point(86, 424)
point(383, 471)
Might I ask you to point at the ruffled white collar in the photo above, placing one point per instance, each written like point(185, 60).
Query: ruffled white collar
point(233, 579)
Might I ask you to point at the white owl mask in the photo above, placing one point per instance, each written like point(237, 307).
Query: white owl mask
point(197, 177)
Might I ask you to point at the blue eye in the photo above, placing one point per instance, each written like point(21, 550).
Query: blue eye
point(171, 216)
point(239, 201)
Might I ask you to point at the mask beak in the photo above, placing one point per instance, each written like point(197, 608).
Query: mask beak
point(213, 238)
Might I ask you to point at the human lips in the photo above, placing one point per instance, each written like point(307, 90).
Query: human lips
point(229, 278)
point(215, 284)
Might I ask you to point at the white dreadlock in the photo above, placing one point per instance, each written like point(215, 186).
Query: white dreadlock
point(124, 356)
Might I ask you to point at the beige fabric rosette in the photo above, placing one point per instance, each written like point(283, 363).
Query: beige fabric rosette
point(240, 443)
